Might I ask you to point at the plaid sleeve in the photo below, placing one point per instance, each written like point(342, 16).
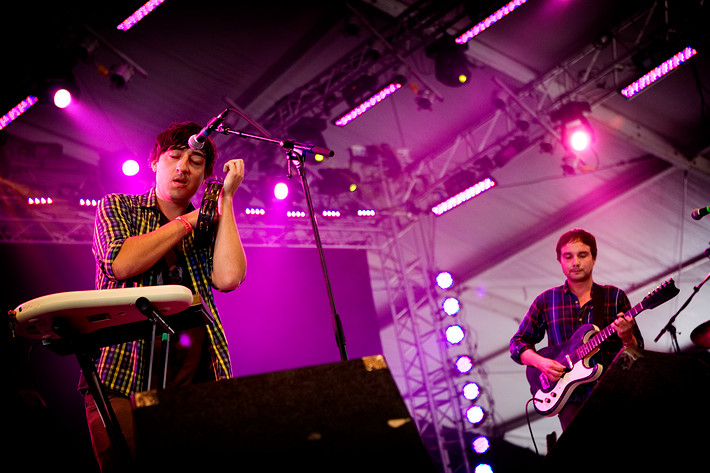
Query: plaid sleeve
point(531, 330)
point(112, 226)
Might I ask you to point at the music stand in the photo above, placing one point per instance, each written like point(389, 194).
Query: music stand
point(80, 323)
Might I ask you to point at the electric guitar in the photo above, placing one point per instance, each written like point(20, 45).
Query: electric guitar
point(549, 397)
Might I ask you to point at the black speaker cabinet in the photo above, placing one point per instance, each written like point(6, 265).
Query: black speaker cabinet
point(339, 417)
point(649, 412)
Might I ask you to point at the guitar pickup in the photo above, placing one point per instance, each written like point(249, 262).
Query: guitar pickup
point(544, 382)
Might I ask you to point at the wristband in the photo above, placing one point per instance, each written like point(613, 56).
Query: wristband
point(185, 223)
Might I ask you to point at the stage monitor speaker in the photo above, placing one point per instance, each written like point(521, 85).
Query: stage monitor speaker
point(648, 412)
point(340, 417)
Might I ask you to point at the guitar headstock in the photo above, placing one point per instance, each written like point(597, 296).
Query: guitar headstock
point(661, 294)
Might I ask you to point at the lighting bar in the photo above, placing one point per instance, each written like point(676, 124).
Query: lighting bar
point(139, 14)
point(368, 104)
point(463, 196)
point(657, 72)
point(17, 110)
point(39, 201)
point(366, 213)
point(254, 211)
point(489, 21)
point(295, 214)
point(331, 213)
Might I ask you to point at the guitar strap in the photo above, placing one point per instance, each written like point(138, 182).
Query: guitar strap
point(598, 308)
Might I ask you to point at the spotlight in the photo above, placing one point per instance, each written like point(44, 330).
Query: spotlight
point(475, 414)
point(451, 306)
point(454, 334)
point(337, 181)
point(86, 49)
point(579, 139)
point(62, 98)
point(121, 75)
point(575, 131)
point(464, 364)
point(444, 280)
point(60, 89)
point(471, 391)
point(480, 444)
point(450, 61)
point(281, 190)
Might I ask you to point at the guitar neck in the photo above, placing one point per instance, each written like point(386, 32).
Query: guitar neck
point(594, 342)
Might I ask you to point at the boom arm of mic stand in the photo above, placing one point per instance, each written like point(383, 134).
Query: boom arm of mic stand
point(288, 145)
point(669, 326)
point(295, 151)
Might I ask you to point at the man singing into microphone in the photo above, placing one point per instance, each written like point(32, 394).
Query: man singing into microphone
point(149, 239)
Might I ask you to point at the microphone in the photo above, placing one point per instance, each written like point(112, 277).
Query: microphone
point(197, 141)
point(697, 214)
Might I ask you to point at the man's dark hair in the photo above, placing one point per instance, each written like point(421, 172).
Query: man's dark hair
point(577, 234)
point(176, 136)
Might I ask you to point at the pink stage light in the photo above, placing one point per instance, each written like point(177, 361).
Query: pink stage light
point(489, 21)
point(475, 414)
point(464, 364)
point(580, 139)
point(280, 190)
point(254, 211)
point(368, 104)
point(480, 444)
point(39, 201)
point(471, 391)
point(62, 98)
point(454, 334)
point(444, 280)
point(139, 14)
point(656, 73)
point(463, 196)
point(17, 110)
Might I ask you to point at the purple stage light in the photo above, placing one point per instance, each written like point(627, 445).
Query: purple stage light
point(658, 72)
point(489, 21)
point(138, 15)
point(17, 110)
point(368, 104)
point(463, 196)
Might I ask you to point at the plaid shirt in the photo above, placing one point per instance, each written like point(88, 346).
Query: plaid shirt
point(557, 313)
point(119, 216)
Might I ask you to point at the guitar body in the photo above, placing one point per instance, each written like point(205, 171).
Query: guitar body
point(551, 396)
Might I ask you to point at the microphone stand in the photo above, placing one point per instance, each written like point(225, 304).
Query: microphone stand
point(670, 327)
point(295, 152)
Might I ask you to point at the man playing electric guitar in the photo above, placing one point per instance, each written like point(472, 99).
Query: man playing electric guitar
point(560, 311)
